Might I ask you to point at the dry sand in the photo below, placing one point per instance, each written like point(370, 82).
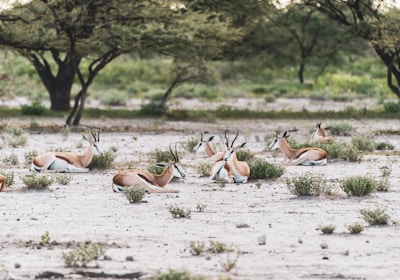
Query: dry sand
point(146, 238)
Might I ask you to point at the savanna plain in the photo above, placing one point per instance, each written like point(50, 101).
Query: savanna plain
point(38, 227)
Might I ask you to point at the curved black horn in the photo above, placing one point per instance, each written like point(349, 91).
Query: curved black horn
point(176, 154)
point(201, 136)
point(234, 139)
point(172, 153)
point(226, 140)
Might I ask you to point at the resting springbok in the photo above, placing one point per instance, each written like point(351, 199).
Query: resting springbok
point(302, 156)
point(2, 182)
point(204, 145)
point(237, 171)
point(319, 134)
point(152, 183)
point(68, 161)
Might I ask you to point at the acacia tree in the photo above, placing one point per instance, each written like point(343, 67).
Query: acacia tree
point(373, 20)
point(57, 36)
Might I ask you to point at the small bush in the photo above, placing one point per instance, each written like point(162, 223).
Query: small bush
point(135, 194)
point(355, 228)
point(358, 185)
point(229, 263)
point(344, 129)
point(175, 275)
point(45, 238)
point(386, 171)
point(36, 109)
point(216, 247)
point(306, 184)
point(160, 156)
point(196, 248)
point(64, 179)
point(327, 229)
point(384, 146)
point(204, 168)
point(178, 212)
point(83, 254)
point(9, 177)
point(391, 106)
point(244, 155)
point(363, 143)
point(11, 159)
point(114, 98)
point(16, 140)
point(382, 185)
point(29, 156)
point(190, 144)
point(376, 216)
point(261, 169)
point(34, 181)
point(200, 207)
point(154, 169)
point(104, 161)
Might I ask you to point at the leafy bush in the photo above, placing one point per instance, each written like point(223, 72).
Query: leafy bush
point(196, 248)
point(64, 179)
point(327, 229)
point(36, 109)
point(9, 177)
point(135, 194)
point(384, 146)
point(306, 184)
point(358, 185)
point(155, 169)
point(83, 254)
point(363, 143)
point(244, 155)
point(34, 181)
point(160, 156)
point(30, 155)
point(104, 161)
point(261, 169)
point(341, 128)
point(114, 98)
point(178, 212)
point(204, 168)
point(355, 228)
point(376, 216)
point(11, 159)
point(391, 106)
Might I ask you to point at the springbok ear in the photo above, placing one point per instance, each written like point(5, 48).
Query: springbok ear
point(85, 139)
point(319, 124)
point(211, 138)
point(241, 145)
point(161, 164)
point(285, 134)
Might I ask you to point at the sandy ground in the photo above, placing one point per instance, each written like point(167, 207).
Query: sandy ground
point(146, 238)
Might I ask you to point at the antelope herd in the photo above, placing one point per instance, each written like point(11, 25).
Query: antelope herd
point(226, 167)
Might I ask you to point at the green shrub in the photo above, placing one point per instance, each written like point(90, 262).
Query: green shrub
point(204, 168)
point(175, 275)
point(355, 228)
point(196, 248)
point(178, 212)
point(104, 161)
point(36, 108)
point(327, 229)
point(155, 169)
point(83, 254)
point(9, 177)
point(45, 238)
point(114, 98)
point(363, 143)
point(358, 185)
point(30, 155)
point(11, 159)
point(384, 146)
point(391, 106)
point(135, 194)
point(341, 128)
point(261, 169)
point(39, 182)
point(64, 178)
point(376, 216)
point(306, 184)
point(160, 156)
point(244, 155)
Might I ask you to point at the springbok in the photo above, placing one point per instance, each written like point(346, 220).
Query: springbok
point(302, 156)
point(236, 171)
point(204, 145)
point(2, 182)
point(68, 161)
point(152, 183)
point(319, 134)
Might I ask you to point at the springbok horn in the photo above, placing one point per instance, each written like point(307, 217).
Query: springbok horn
point(172, 153)
point(201, 136)
point(176, 154)
point(226, 140)
point(234, 139)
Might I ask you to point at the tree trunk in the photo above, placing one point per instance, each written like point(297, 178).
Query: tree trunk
point(301, 73)
point(60, 96)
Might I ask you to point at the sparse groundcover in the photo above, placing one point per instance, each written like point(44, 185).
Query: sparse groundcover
point(37, 182)
point(83, 254)
point(307, 184)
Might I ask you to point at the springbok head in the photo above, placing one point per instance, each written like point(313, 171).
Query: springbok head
point(316, 130)
point(201, 145)
point(177, 168)
point(275, 143)
point(230, 149)
point(94, 141)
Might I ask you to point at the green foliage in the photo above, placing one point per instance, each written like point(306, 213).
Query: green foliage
point(175, 275)
point(306, 184)
point(104, 161)
point(38, 182)
point(154, 169)
point(83, 254)
point(355, 228)
point(375, 216)
point(391, 106)
point(45, 238)
point(341, 128)
point(229, 263)
point(261, 169)
point(358, 185)
point(196, 248)
point(384, 146)
point(363, 143)
point(9, 177)
point(327, 229)
point(11, 159)
point(159, 155)
point(190, 144)
point(36, 109)
point(244, 155)
point(135, 194)
point(178, 212)
point(63, 179)
point(114, 98)
point(204, 168)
